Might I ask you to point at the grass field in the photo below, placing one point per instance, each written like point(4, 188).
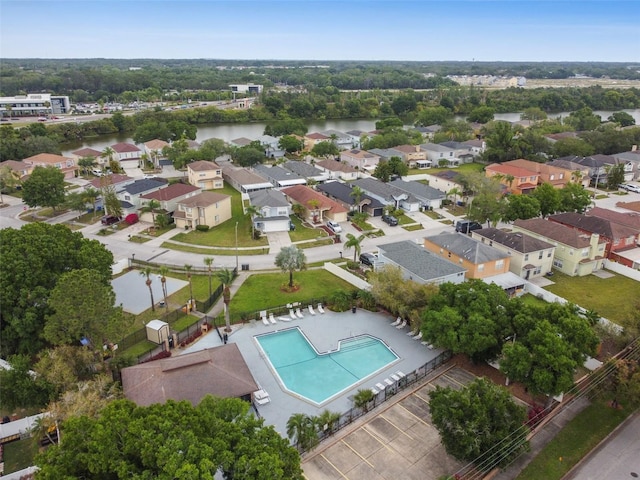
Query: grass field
point(262, 291)
point(19, 454)
point(607, 296)
point(465, 167)
point(304, 233)
point(212, 251)
point(573, 442)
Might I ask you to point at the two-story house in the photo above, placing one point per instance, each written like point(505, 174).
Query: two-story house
point(478, 259)
point(338, 170)
point(439, 155)
point(205, 175)
point(556, 176)
point(576, 253)
point(360, 159)
point(167, 199)
point(87, 152)
point(517, 180)
point(306, 171)
point(341, 140)
point(310, 139)
point(153, 149)
point(274, 211)
point(530, 257)
point(66, 165)
point(206, 208)
point(461, 150)
point(631, 162)
point(271, 146)
point(410, 154)
point(318, 207)
point(579, 173)
point(598, 166)
point(127, 154)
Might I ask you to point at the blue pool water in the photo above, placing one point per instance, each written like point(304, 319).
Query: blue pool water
point(320, 376)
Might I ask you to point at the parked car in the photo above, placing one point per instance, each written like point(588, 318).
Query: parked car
point(334, 226)
point(467, 226)
point(390, 220)
point(631, 188)
point(97, 172)
point(368, 259)
point(109, 220)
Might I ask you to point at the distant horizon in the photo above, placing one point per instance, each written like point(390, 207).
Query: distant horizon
point(536, 31)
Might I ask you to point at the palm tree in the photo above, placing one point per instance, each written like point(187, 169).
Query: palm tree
point(355, 243)
point(208, 261)
point(226, 277)
point(250, 212)
point(455, 191)
point(146, 272)
point(152, 206)
point(509, 179)
point(289, 259)
point(187, 269)
point(314, 204)
point(86, 163)
point(327, 420)
point(357, 194)
point(108, 153)
point(163, 270)
point(299, 210)
point(91, 196)
point(302, 431)
point(362, 398)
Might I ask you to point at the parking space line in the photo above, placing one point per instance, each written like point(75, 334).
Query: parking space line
point(336, 468)
point(415, 416)
point(396, 427)
point(358, 453)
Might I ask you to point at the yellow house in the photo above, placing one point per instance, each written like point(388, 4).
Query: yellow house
point(206, 208)
point(205, 175)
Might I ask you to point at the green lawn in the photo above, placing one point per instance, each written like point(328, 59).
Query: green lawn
point(607, 296)
point(214, 251)
point(317, 243)
point(224, 235)
point(573, 442)
point(411, 228)
point(304, 233)
point(19, 454)
point(262, 291)
point(466, 167)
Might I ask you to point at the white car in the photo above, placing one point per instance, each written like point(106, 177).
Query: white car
point(97, 172)
point(334, 226)
point(632, 188)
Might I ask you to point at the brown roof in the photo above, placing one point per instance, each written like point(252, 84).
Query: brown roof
point(87, 152)
point(407, 148)
point(633, 206)
point(15, 165)
point(219, 371)
point(506, 169)
point(556, 232)
point(317, 136)
point(630, 219)
point(46, 158)
point(592, 224)
point(303, 194)
point(113, 179)
point(169, 193)
point(156, 144)
point(336, 166)
point(242, 176)
point(203, 199)
point(518, 241)
point(203, 166)
point(124, 148)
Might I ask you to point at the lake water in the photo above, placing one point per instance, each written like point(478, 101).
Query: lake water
point(228, 132)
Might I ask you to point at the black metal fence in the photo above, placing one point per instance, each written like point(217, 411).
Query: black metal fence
point(388, 393)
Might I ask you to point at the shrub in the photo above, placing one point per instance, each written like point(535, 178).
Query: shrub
point(351, 265)
point(158, 356)
point(202, 228)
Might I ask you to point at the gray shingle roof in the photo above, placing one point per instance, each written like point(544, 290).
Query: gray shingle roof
point(384, 190)
point(419, 261)
point(276, 173)
point(420, 190)
point(143, 185)
point(342, 192)
point(467, 248)
point(268, 198)
point(517, 241)
point(302, 168)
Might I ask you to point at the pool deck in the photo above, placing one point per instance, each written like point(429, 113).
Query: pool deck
point(323, 331)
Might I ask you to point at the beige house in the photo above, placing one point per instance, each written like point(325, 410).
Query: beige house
point(153, 149)
point(205, 175)
point(206, 208)
point(360, 159)
point(64, 164)
point(167, 199)
point(338, 170)
point(410, 154)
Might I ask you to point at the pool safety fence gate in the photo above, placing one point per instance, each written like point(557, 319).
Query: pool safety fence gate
point(382, 396)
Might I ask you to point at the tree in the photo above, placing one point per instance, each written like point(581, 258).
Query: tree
point(299, 210)
point(355, 243)
point(290, 259)
point(501, 142)
point(325, 149)
point(147, 272)
point(623, 119)
point(583, 119)
point(226, 277)
point(290, 144)
point(91, 195)
point(33, 259)
point(569, 146)
point(521, 207)
point(248, 156)
point(173, 440)
point(20, 387)
point(163, 271)
point(455, 192)
point(487, 207)
point(302, 431)
point(482, 114)
point(362, 398)
point(8, 180)
point(76, 201)
point(112, 203)
point(151, 206)
point(83, 305)
point(433, 116)
point(534, 114)
point(479, 423)
point(208, 261)
point(548, 197)
point(327, 420)
point(44, 188)
point(108, 153)
point(615, 176)
point(398, 167)
point(87, 163)
point(357, 193)
point(65, 366)
point(250, 212)
point(574, 198)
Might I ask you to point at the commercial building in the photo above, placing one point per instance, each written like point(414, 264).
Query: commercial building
point(34, 104)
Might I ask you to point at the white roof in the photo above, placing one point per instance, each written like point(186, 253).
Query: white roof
point(157, 324)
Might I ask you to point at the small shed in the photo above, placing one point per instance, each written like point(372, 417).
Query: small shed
point(157, 331)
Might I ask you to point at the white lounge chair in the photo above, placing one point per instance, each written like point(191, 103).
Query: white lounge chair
point(374, 391)
point(320, 309)
point(380, 386)
point(400, 374)
point(299, 313)
point(418, 336)
point(397, 322)
point(402, 325)
point(388, 382)
point(412, 333)
point(272, 319)
point(284, 319)
point(292, 314)
point(263, 401)
point(265, 321)
point(259, 394)
point(395, 377)
point(311, 310)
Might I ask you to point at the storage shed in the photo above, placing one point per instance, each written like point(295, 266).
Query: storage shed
point(157, 331)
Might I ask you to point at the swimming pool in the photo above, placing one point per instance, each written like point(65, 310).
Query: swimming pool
point(317, 377)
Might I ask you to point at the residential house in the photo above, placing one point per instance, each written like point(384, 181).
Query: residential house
point(65, 164)
point(243, 180)
point(477, 146)
point(306, 170)
point(19, 167)
point(240, 142)
point(318, 207)
point(205, 175)
point(153, 149)
point(206, 208)
point(461, 150)
point(341, 140)
point(167, 199)
point(554, 137)
point(439, 155)
point(360, 159)
point(576, 253)
point(279, 177)
point(445, 181)
point(429, 197)
point(117, 180)
point(429, 131)
point(530, 257)
point(342, 193)
point(598, 166)
point(478, 259)
point(129, 193)
point(556, 176)
point(310, 139)
point(517, 180)
point(271, 146)
point(388, 194)
point(618, 237)
point(385, 154)
point(410, 154)
point(181, 377)
point(418, 264)
point(89, 152)
point(629, 219)
point(127, 154)
point(631, 162)
point(338, 170)
point(579, 173)
point(356, 137)
point(274, 211)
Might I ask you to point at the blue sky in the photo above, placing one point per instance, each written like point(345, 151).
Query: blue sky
point(418, 30)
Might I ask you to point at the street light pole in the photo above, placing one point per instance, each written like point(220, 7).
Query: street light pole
point(236, 246)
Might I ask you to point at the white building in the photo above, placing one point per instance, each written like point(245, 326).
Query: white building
point(246, 88)
point(34, 104)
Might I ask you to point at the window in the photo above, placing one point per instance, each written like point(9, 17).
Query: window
point(540, 255)
point(557, 263)
point(585, 252)
point(526, 257)
point(216, 219)
point(571, 252)
point(537, 271)
point(549, 254)
point(481, 267)
point(552, 177)
point(499, 264)
point(217, 204)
